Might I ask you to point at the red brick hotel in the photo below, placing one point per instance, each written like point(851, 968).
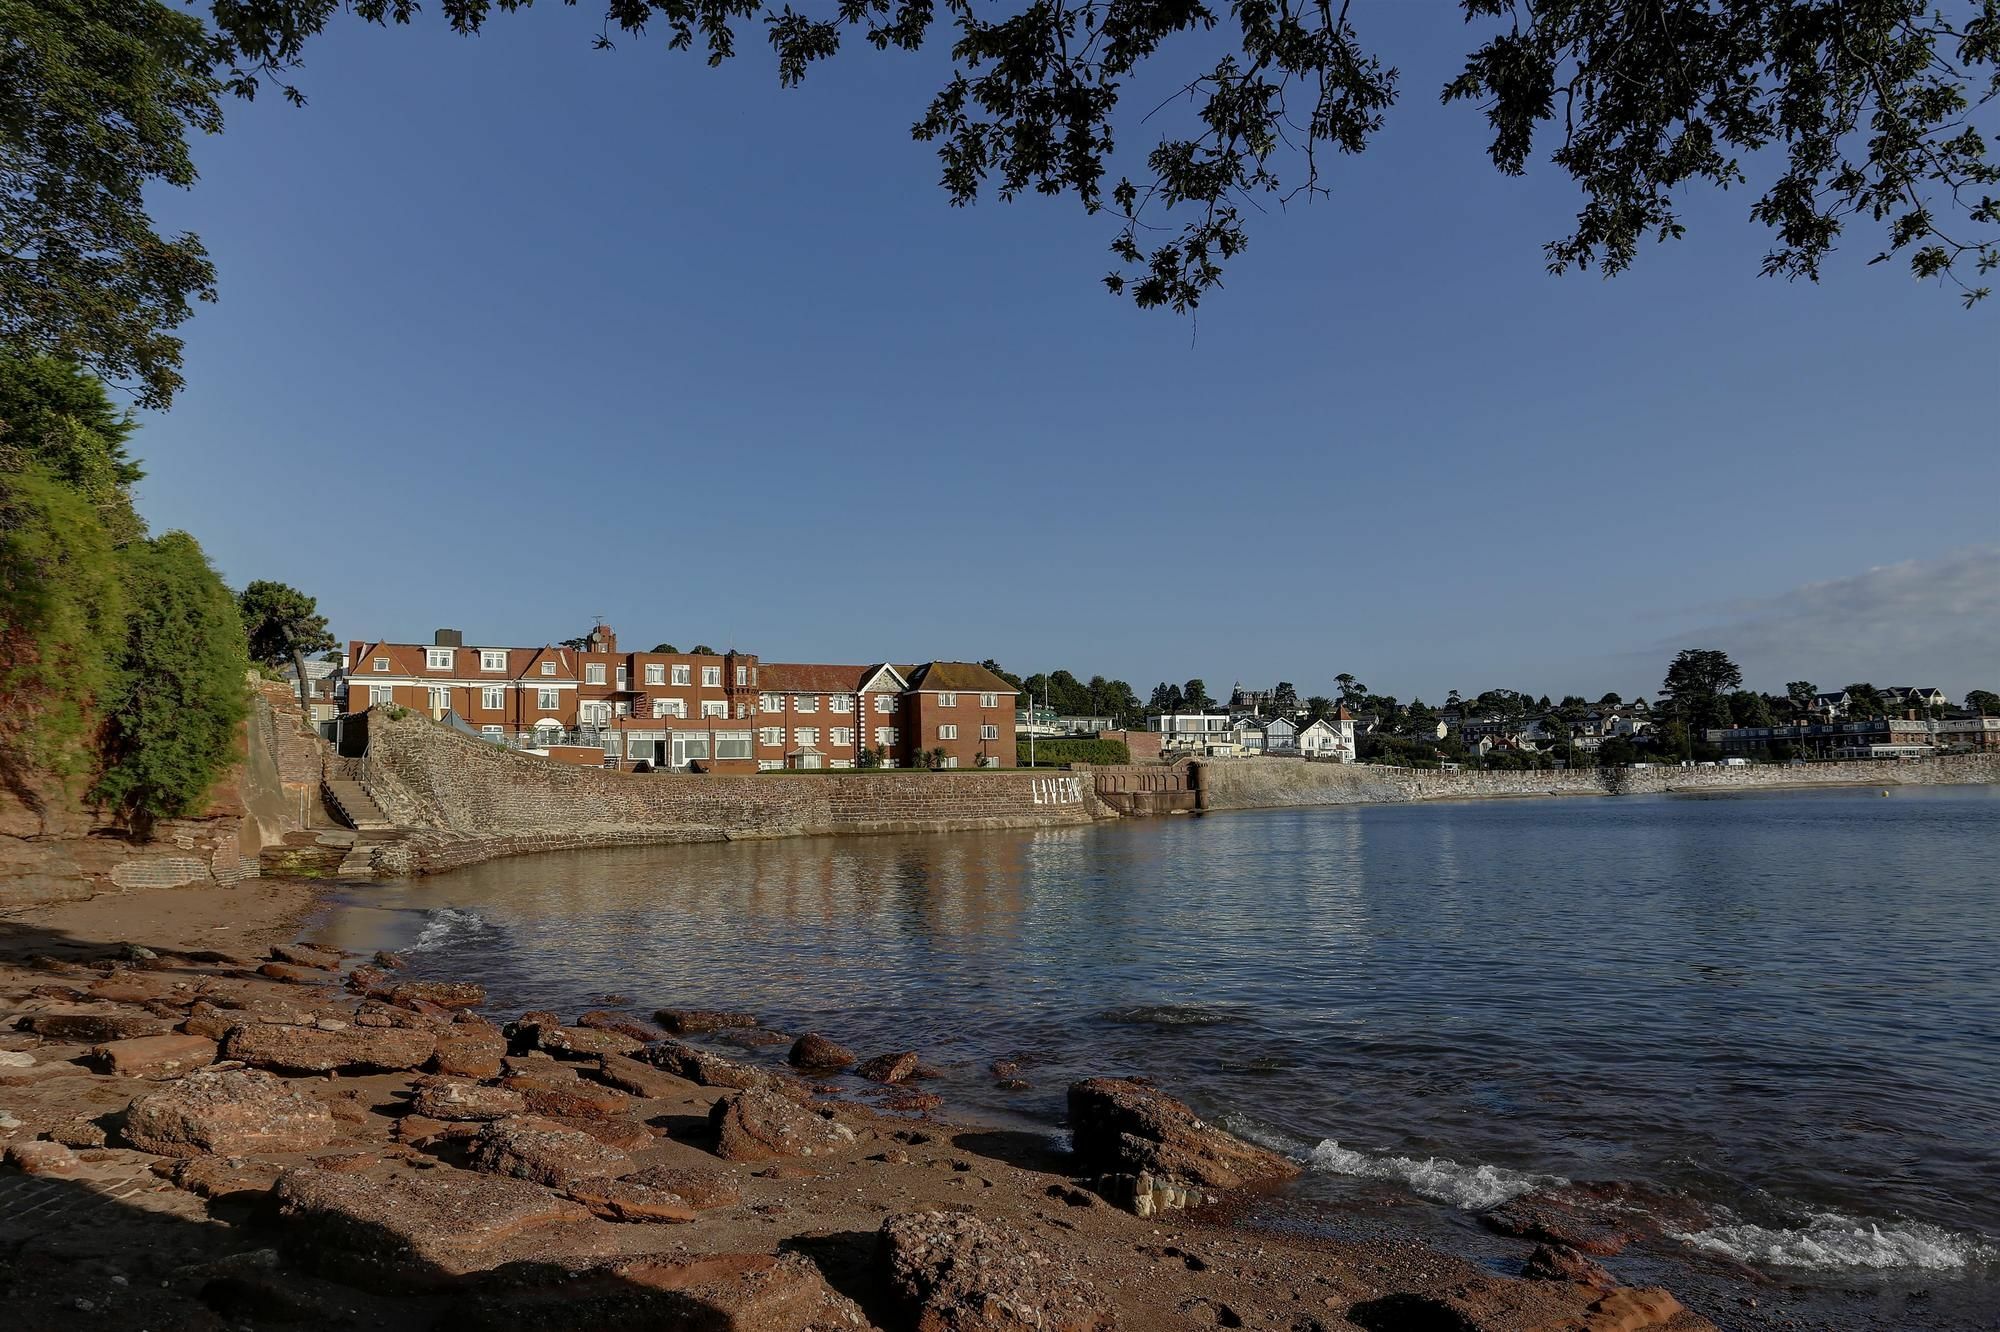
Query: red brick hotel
point(725, 712)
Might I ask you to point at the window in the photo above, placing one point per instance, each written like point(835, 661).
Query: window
point(951, 760)
point(492, 659)
point(711, 677)
point(745, 711)
point(680, 675)
point(947, 700)
point(494, 732)
point(989, 700)
point(381, 663)
point(593, 672)
point(548, 700)
point(440, 698)
point(771, 735)
point(548, 668)
point(694, 745)
point(637, 747)
point(840, 735)
point(381, 694)
point(806, 703)
point(989, 733)
point(493, 698)
point(806, 735)
point(742, 676)
point(770, 702)
point(656, 673)
point(732, 744)
point(715, 707)
point(622, 709)
point(594, 714)
point(947, 733)
point(885, 704)
point(437, 659)
point(770, 765)
point(623, 679)
point(885, 736)
point(840, 703)
point(670, 707)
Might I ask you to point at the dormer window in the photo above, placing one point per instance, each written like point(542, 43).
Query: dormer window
point(490, 660)
point(437, 659)
point(548, 668)
point(382, 664)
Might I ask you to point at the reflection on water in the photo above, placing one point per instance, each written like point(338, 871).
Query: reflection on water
point(1784, 1006)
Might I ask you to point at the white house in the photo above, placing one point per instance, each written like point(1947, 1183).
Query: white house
point(1329, 738)
point(1281, 736)
point(1206, 732)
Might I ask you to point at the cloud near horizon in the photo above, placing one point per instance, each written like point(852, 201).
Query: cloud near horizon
point(1918, 622)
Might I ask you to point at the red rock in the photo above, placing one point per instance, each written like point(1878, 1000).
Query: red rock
point(154, 1056)
point(700, 1187)
point(1553, 1262)
point(368, 980)
point(1128, 1127)
point(638, 1079)
point(730, 1292)
point(306, 956)
point(623, 1134)
point(1630, 1311)
point(469, 1050)
point(626, 1200)
point(694, 1021)
point(310, 1050)
point(889, 1067)
point(572, 1099)
point(206, 1020)
point(391, 961)
point(1568, 1217)
point(222, 1179)
point(465, 1101)
point(954, 1272)
point(761, 1126)
point(547, 1153)
point(413, 1230)
point(624, 1024)
point(94, 1028)
point(41, 1158)
point(584, 1042)
point(816, 1052)
point(228, 1111)
point(711, 1070)
point(293, 975)
point(445, 994)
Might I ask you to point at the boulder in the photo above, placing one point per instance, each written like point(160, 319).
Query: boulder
point(469, 1050)
point(570, 1098)
point(698, 1186)
point(1569, 1217)
point(456, 1100)
point(624, 1024)
point(223, 1179)
point(547, 1153)
point(954, 1272)
point(636, 1078)
point(889, 1067)
point(41, 1158)
point(584, 1042)
point(1125, 1127)
point(1554, 1262)
point(1630, 1310)
point(694, 1021)
point(445, 994)
point(762, 1126)
point(710, 1070)
point(816, 1052)
point(94, 1028)
point(228, 1111)
point(311, 1050)
point(411, 1230)
point(305, 955)
point(724, 1292)
point(368, 980)
point(154, 1056)
point(292, 974)
point(627, 1200)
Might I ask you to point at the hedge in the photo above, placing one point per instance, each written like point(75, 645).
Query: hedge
point(1055, 753)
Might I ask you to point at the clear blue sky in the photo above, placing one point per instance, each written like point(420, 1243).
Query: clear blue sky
point(513, 333)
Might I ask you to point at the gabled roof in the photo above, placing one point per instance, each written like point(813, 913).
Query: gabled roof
point(408, 659)
point(965, 677)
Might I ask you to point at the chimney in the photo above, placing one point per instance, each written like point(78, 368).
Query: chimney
point(448, 638)
point(603, 638)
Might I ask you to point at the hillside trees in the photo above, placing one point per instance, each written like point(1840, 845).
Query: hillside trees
point(284, 626)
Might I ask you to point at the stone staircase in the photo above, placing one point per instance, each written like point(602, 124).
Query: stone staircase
point(353, 806)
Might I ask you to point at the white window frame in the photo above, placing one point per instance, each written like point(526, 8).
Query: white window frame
point(806, 703)
point(382, 665)
point(770, 702)
point(951, 760)
point(491, 659)
point(840, 735)
point(593, 672)
point(441, 697)
point(742, 676)
point(840, 703)
point(682, 675)
point(548, 700)
point(715, 707)
point(493, 698)
point(947, 700)
point(885, 705)
point(711, 677)
point(989, 732)
point(770, 735)
point(656, 673)
point(593, 713)
point(548, 668)
point(492, 730)
point(437, 659)
point(948, 731)
point(885, 736)
point(733, 739)
point(989, 700)
point(805, 735)
point(623, 678)
point(381, 694)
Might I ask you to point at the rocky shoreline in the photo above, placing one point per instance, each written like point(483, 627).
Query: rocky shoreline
point(270, 1133)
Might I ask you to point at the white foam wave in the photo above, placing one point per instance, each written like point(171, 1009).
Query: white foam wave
point(1830, 1242)
point(1441, 1180)
point(443, 925)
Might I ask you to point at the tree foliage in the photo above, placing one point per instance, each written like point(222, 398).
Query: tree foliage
point(284, 626)
point(1698, 684)
point(172, 716)
point(1983, 701)
point(1842, 111)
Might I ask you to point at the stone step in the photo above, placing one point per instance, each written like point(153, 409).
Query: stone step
point(352, 802)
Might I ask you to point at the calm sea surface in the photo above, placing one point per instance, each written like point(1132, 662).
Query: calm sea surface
point(1780, 1009)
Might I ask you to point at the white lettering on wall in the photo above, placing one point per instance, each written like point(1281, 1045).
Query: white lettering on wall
point(1058, 790)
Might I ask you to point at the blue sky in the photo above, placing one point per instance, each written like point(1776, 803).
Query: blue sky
point(513, 334)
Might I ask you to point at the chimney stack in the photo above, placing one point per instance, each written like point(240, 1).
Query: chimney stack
point(448, 638)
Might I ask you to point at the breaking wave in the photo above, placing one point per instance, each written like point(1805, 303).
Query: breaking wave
point(1469, 1187)
point(1830, 1242)
point(444, 926)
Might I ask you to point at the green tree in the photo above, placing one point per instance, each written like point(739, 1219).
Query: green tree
point(1698, 682)
point(1800, 694)
point(1166, 699)
point(1865, 700)
point(1351, 690)
point(1849, 113)
point(1194, 696)
point(1610, 701)
point(1748, 709)
point(1319, 705)
point(284, 625)
point(1285, 699)
point(702, 650)
point(667, 648)
point(179, 694)
point(1982, 701)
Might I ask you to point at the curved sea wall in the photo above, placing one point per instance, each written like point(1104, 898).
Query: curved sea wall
point(1274, 783)
point(456, 800)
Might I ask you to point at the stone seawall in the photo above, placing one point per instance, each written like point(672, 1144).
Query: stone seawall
point(1274, 783)
point(458, 800)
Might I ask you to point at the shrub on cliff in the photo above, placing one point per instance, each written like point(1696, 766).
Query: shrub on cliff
point(1056, 753)
point(170, 720)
